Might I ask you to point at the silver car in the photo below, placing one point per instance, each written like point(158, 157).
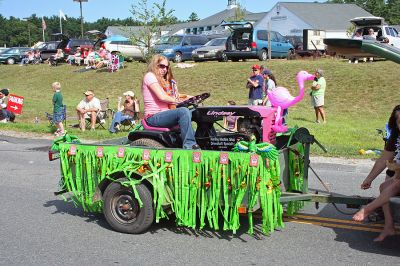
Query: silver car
point(212, 50)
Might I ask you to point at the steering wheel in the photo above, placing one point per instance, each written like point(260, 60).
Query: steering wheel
point(193, 101)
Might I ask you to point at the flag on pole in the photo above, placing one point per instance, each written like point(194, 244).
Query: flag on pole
point(62, 15)
point(43, 24)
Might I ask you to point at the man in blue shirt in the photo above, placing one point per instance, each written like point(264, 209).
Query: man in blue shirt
point(255, 84)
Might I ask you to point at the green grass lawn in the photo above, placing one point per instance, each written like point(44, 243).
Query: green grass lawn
point(359, 98)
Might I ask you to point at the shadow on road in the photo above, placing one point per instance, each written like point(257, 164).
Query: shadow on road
point(63, 207)
point(361, 240)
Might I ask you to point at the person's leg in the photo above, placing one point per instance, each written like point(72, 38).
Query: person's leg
point(180, 116)
point(116, 120)
point(321, 112)
point(81, 119)
point(316, 114)
point(93, 116)
point(389, 188)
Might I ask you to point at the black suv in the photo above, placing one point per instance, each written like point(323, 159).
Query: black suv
point(47, 49)
point(69, 45)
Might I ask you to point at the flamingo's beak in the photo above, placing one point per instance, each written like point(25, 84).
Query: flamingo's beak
point(310, 77)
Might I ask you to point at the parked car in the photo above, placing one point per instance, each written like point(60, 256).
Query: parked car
point(69, 45)
point(382, 31)
point(13, 55)
point(246, 42)
point(2, 49)
point(212, 50)
point(179, 47)
point(47, 49)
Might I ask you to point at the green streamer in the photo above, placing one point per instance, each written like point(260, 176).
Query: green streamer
point(194, 191)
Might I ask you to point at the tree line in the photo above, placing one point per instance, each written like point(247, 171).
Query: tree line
point(388, 9)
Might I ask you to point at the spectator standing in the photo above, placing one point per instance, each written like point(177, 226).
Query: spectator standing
point(58, 109)
point(88, 108)
point(318, 95)
point(125, 112)
point(255, 84)
point(269, 84)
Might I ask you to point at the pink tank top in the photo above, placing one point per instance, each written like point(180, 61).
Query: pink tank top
point(152, 104)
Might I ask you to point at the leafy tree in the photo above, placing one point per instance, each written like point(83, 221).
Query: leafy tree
point(193, 17)
point(150, 18)
point(240, 14)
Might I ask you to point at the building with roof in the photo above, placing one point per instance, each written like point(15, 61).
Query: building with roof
point(208, 26)
point(291, 18)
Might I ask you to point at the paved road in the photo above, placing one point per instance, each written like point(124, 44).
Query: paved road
point(37, 228)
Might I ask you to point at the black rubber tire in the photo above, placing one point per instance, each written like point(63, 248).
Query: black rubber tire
point(178, 57)
point(290, 55)
point(224, 57)
point(10, 61)
point(116, 193)
point(263, 56)
point(151, 143)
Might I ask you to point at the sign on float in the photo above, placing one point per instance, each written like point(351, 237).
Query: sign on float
point(15, 103)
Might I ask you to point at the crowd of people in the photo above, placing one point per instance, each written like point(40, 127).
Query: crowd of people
point(262, 80)
point(88, 57)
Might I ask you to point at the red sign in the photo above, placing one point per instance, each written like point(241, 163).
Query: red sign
point(223, 158)
point(146, 155)
point(168, 157)
point(121, 152)
point(254, 160)
point(196, 157)
point(100, 152)
point(15, 103)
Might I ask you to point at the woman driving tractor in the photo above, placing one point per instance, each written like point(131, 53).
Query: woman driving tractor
point(161, 95)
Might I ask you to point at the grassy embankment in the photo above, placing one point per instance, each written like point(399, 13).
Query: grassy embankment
point(359, 98)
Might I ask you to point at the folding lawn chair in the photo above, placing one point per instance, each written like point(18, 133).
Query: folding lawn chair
point(102, 115)
point(50, 117)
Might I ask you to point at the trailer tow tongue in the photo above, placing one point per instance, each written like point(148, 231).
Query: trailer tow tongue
point(303, 136)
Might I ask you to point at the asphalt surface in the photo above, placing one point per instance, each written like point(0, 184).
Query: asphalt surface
point(38, 228)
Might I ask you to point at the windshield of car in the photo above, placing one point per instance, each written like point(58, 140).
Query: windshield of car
point(40, 46)
point(174, 40)
point(216, 42)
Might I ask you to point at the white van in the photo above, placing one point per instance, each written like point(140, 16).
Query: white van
point(382, 31)
point(125, 48)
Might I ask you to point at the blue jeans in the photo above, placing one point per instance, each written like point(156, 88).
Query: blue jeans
point(118, 118)
point(170, 118)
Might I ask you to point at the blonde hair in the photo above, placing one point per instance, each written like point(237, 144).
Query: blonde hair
point(153, 68)
point(56, 85)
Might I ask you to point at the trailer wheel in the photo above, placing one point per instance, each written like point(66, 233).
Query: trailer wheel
point(147, 143)
point(122, 211)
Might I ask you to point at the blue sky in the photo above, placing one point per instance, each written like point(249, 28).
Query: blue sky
point(94, 9)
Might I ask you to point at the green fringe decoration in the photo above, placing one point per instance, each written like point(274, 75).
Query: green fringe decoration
point(296, 177)
point(198, 193)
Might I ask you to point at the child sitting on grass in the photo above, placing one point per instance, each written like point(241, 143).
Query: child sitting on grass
point(58, 109)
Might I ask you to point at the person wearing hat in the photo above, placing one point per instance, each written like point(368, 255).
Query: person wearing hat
point(125, 112)
point(88, 108)
point(317, 96)
point(4, 113)
point(255, 84)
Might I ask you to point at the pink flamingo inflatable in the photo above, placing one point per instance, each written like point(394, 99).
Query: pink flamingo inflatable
point(280, 97)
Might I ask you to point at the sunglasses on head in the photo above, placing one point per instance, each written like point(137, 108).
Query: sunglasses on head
point(162, 66)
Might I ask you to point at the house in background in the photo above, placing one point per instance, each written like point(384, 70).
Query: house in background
point(287, 18)
point(290, 18)
point(207, 26)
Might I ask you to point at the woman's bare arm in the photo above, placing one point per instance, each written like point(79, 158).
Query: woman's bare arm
point(161, 95)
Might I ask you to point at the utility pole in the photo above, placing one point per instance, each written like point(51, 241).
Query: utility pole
point(80, 5)
point(29, 31)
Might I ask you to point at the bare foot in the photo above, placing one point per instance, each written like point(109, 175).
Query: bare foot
point(385, 233)
point(360, 215)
